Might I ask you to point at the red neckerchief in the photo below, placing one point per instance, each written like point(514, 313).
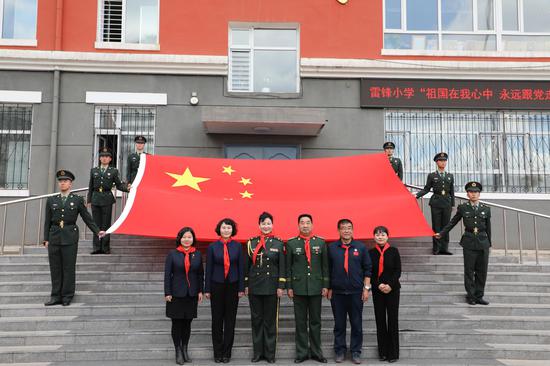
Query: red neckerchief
point(186, 261)
point(346, 256)
point(226, 260)
point(260, 245)
point(381, 260)
point(307, 248)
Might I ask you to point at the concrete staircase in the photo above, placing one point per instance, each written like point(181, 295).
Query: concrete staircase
point(117, 317)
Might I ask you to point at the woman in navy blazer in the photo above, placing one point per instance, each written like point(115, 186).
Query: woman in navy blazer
point(183, 288)
point(224, 286)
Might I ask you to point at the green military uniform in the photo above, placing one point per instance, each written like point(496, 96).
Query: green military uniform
point(61, 233)
point(307, 282)
point(395, 162)
point(441, 203)
point(475, 243)
point(263, 278)
point(397, 167)
point(102, 199)
point(132, 163)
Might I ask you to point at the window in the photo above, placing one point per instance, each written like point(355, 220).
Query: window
point(263, 60)
point(467, 25)
point(15, 146)
point(268, 152)
point(117, 126)
point(129, 21)
point(18, 19)
point(507, 151)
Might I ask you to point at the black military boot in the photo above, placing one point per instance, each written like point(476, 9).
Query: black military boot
point(186, 354)
point(179, 355)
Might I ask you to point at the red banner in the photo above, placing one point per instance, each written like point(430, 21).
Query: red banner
point(170, 192)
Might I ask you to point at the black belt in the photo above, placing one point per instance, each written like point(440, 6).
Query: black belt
point(474, 230)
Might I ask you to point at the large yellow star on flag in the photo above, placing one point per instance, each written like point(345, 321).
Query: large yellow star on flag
point(228, 170)
point(187, 179)
point(246, 194)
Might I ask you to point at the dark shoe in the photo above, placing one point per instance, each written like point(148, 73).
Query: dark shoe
point(185, 352)
point(356, 358)
point(339, 358)
point(445, 253)
point(300, 360)
point(392, 360)
point(226, 359)
point(53, 302)
point(435, 252)
point(106, 252)
point(96, 252)
point(66, 302)
point(256, 359)
point(382, 358)
point(179, 356)
point(471, 301)
point(319, 359)
point(217, 359)
point(482, 302)
point(270, 360)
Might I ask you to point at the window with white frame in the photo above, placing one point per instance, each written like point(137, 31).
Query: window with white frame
point(18, 19)
point(117, 126)
point(129, 21)
point(467, 25)
point(15, 146)
point(263, 60)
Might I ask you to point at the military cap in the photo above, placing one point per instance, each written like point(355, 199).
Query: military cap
point(105, 151)
point(441, 156)
point(140, 139)
point(64, 174)
point(473, 187)
point(389, 145)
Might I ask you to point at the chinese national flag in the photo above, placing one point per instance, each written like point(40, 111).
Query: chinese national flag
point(171, 192)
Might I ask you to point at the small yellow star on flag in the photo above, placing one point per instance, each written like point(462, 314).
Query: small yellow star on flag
point(245, 181)
point(228, 170)
point(246, 194)
point(187, 179)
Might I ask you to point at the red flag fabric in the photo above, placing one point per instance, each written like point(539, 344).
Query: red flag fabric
point(170, 192)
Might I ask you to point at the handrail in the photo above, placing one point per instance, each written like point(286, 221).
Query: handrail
point(33, 198)
point(464, 197)
point(517, 211)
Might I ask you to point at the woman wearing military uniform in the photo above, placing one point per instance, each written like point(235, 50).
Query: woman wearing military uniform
point(132, 164)
point(475, 242)
point(441, 202)
point(265, 279)
point(396, 164)
point(100, 196)
point(61, 237)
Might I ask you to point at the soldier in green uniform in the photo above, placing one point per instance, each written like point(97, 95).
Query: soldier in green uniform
point(307, 282)
point(441, 202)
point(475, 242)
point(100, 196)
point(265, 281)
point(61, 237)
point(133, 159)
point(396, 164)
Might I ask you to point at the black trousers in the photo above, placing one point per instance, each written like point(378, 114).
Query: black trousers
point(224, 301)
point(344, 306)
point(440, 218)
point(386, 313)
point(102, 218)
point(264, 311)
point(62, 270)
point(307, 312)
point(181, 331)
point(475, 272)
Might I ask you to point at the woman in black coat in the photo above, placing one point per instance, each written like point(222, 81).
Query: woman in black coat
point(183, 288)
point(386, 270)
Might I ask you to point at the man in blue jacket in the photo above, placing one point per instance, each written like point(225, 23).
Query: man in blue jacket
point(350, 271)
